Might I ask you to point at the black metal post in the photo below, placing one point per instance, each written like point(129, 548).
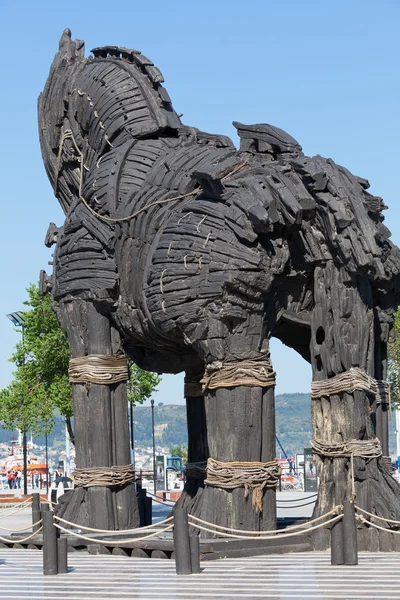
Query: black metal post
point(132, 435)
point(47, 464)
point(141, 493)
point(25, 463)
point(148, 510)
point(35, 510)
point(154, 446)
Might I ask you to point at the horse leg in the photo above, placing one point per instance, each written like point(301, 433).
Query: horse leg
point(240, 427)
point(343, 336)
point(100, 419)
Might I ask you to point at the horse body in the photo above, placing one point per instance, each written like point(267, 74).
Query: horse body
point(194, 254)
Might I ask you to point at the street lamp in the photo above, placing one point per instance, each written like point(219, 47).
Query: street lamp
point(18, 321)
point(154, 446)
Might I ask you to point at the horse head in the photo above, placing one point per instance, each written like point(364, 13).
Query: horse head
point(92, 106)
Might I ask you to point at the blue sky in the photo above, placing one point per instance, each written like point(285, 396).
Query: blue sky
point(326, 72)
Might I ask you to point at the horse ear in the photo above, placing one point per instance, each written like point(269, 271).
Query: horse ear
point(65, 39)
point(69, 49)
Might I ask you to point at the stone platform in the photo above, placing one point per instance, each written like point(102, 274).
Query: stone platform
point(290, 577)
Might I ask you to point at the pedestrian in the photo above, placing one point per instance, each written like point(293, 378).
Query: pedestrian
point(18, 479)
point(40, 480)
point(10, 480)
point(37, 480)
point(33, 477)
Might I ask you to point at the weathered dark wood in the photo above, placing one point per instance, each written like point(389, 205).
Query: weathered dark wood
point(194, 543)
point(350, 534)
point(36, 515)
point(50, 562)
point(101, 424)
point(62, 555)
point(208, 254)
point(236, 429)
point(182, 542)
point(337, 544)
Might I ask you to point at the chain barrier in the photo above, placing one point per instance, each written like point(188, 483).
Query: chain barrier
point(295, 506)
point(165, 502)
point(297, 499)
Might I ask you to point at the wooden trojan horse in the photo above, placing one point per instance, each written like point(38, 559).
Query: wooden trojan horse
point(188, 255)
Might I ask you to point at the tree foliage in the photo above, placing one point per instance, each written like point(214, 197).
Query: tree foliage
point(181, 451)
point(40, 385)
point(393, 375)
point(141, 384)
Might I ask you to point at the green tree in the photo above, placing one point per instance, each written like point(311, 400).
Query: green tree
point(393, 375)
point(141, 384)
point(181, 451)
point(40, 385)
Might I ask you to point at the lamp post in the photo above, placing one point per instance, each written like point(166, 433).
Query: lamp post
point(154, 446)
point(47, 463)
point(18, 321)
point(132, 433)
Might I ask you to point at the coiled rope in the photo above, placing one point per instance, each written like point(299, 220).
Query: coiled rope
point(12, 511)
point(349, 381)
point(111, 542)
point(376, 516)
point(251, 371)
point(112, 531)
point(20, 541)
point(336, 510)
point(274, 534)
point(361, 448)
point(252, 476)
point(115, 476)
point(370, 524)
point(23, 528)
point(98, 368)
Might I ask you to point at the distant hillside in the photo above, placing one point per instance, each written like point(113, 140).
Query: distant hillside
point(293, 422)
point(293, 425)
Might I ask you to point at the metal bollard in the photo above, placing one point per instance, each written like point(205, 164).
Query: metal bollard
point(183, 563)
point(62, 555)
point(350, 534)
point(194, 541)
point(36, 514)
point(148, 510)
point(50, 563)
point(141, 494)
